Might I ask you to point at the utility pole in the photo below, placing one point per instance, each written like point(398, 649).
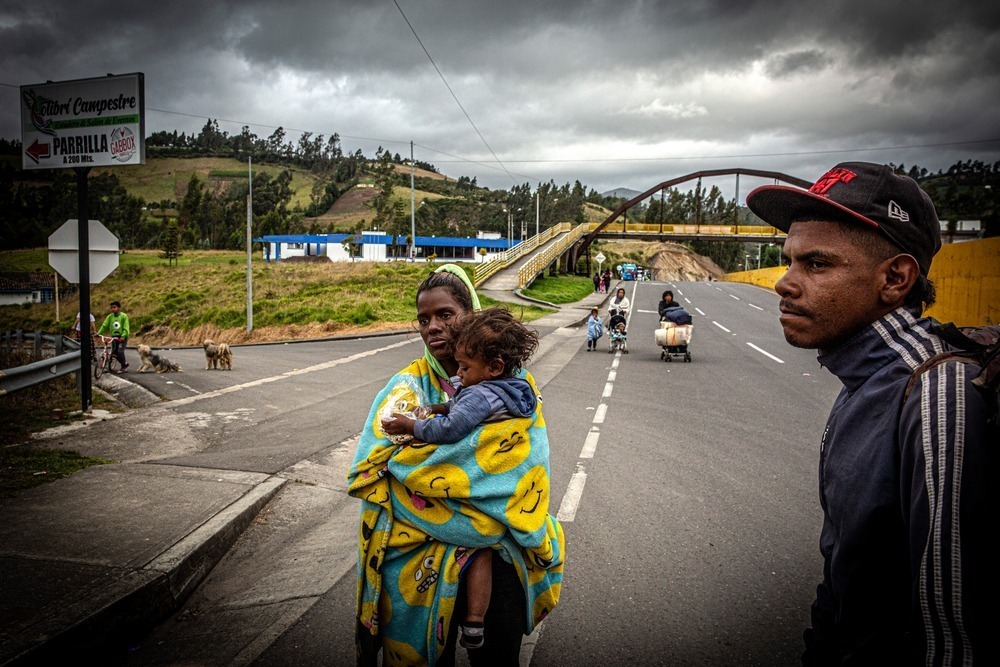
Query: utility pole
point(538, 194)
point(250, 246)
point(413, 213)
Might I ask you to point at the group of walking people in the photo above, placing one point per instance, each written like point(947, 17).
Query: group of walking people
point(602, 281)
point(456, 544)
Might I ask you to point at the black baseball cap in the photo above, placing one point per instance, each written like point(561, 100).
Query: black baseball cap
point(859, 192)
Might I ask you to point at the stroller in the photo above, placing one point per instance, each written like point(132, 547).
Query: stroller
point(618, 336)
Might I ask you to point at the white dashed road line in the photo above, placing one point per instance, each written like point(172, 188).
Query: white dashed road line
point(721, 327)
point(765, 353)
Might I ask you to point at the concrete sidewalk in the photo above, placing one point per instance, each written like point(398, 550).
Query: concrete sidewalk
point(89, 562)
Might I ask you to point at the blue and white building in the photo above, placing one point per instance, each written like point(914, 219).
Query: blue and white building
point(373, 246)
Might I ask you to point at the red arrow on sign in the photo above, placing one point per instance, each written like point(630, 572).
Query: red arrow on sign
point(37, 150)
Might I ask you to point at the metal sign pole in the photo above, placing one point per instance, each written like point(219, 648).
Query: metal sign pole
point(250, 247)
point(83, 223)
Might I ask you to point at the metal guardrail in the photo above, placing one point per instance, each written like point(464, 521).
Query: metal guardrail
point(29, 375)
point(538, 263)
point(505, 258)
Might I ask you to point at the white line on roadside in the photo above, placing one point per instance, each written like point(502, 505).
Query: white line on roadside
point(700, 311)
point(733, 296)
point(612, 375)
point(283, 376)
point(652, 312)
point(571, 500)
point(765, 353)
point(614, 364)
point(608, 388)
point(753, 306)
point(590, 445)
point(721, 327)
point(600, 413)
point(687, 299)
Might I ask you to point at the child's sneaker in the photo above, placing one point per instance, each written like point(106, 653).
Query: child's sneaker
point(472, 635)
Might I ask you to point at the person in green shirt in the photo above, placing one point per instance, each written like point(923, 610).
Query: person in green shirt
point(117, 326)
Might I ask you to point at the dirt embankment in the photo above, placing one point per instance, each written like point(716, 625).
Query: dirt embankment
point(676, 262)
point(671, 261)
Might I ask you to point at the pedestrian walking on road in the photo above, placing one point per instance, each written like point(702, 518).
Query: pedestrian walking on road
point(597, 282)
point(427, 510)
point(905, 480)
point(607, 281)
point(595, 329)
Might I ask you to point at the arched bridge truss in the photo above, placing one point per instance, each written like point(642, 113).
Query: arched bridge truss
point(693, 230)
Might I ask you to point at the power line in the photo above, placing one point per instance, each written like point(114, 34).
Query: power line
point(467, 116)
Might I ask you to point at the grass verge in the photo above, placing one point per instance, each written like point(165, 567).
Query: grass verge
point(204, 296)
point(560, 289)
point(30, 411)
point(23, 467)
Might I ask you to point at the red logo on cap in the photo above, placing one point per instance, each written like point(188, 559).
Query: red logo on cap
point(831, 178)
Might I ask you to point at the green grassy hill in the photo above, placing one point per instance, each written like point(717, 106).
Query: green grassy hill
point(167, 178)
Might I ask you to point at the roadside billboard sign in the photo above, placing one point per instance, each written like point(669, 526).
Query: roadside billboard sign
point(98, 122)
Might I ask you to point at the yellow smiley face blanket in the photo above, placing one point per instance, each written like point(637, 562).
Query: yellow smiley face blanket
point(426, 508)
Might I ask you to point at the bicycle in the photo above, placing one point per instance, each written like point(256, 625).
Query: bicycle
point(106, 361)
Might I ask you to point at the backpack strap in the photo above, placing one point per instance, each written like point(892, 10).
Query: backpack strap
point(975, 345)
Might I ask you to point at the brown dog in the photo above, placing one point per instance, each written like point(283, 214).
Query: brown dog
point(154, 362)
point(217, 356)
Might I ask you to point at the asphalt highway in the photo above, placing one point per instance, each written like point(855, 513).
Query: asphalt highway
point(687, 491)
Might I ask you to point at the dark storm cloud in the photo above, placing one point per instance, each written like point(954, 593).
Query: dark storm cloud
point(560, 80)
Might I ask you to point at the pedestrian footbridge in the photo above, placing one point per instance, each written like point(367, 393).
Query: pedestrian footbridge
point(562, 245)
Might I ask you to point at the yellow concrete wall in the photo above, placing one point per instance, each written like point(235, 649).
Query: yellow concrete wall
point(966, 275)
point(967, 278)
point(760, 277)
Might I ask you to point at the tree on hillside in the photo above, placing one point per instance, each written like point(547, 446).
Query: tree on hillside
point(384, 182)
point(187, 215)
point(211, 138)
point(171, 243)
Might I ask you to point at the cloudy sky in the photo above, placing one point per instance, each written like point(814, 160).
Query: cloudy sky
point(613, 93)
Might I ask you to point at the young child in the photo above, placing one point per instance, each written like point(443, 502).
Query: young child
point(617, 321)
point(595, 329)
point(491, 347)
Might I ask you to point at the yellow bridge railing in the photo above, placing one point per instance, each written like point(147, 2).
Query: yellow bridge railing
point(505, 258)
point(538, 263)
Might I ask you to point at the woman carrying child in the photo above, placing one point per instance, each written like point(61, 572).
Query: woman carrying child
point(429, 508)
point(491, 347)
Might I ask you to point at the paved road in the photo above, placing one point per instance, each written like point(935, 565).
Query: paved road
point(687, 491)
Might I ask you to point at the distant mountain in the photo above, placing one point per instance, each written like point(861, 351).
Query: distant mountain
point(621, 193)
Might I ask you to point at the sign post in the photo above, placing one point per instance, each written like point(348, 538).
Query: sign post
point(599, 258)
point(99, 122)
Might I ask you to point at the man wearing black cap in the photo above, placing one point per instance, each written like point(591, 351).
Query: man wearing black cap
point(903, 484)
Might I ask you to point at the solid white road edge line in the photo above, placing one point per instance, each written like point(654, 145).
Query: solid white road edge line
point(282, 376)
